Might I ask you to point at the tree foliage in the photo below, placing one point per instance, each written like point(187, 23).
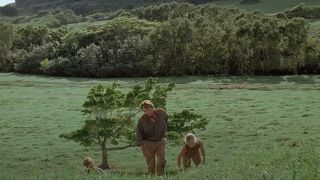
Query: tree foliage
point(175, 39)
point(6, 39)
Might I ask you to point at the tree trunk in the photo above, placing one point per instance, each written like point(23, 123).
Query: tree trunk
point(104, 155)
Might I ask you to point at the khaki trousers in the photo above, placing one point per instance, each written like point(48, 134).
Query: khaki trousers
point(152, 151)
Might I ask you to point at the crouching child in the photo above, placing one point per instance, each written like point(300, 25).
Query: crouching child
point(193, 150)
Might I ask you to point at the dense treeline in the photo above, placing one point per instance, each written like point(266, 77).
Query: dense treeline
point(167, 39)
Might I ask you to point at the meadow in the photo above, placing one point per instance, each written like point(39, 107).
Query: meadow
point(260, 127)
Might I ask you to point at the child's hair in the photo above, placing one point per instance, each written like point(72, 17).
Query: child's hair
point(87, 161)
point(190, 136)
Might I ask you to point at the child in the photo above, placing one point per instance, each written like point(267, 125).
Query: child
point(193, 150)
point(90, 167)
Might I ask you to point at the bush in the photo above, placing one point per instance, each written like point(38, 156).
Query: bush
point(6, 60)
point(6, 39)
point(20, 19)
point(126, 58)
point(312, 57)
point(57, 67)
point(30, 62)
point(87, 61)
point(30, 36)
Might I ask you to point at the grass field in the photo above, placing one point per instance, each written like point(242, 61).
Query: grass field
point(260, 128)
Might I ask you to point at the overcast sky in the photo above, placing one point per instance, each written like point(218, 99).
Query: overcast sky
point(5, 2)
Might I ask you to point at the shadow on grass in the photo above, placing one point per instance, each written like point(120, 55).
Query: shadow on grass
point(137, 174)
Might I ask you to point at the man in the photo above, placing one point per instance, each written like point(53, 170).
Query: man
point(151, 131)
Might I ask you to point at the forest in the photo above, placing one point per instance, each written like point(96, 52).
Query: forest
point(170, 39)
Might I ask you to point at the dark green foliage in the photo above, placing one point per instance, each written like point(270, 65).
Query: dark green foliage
point(87, 60)
point(174, 39)
point(185, 121)
point(312, 57)
point(29, 37)
point(58, 66)
point(30, 62)
point(126, 57)
point(6, 40)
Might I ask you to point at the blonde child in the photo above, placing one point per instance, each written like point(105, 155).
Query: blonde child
point(193, 150)
point(90, 167)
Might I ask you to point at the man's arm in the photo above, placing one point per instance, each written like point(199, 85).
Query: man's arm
point(139, 133)
point(166, 115)
point(165, 124)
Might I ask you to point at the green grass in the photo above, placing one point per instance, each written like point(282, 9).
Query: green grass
point(259, 127)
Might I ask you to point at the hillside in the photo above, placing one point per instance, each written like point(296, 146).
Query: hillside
point(94, 6)
point(270, 6)
point(258, 126)
point(255, 75)
point(85, 7)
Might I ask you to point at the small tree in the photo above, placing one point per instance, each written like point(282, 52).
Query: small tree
point(110, 113)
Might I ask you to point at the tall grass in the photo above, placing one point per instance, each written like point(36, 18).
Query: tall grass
point(260, 128)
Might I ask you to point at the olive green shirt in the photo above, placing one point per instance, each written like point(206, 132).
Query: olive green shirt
point(152, 131)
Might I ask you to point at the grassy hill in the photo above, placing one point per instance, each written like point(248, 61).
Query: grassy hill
point(51, 13)
point(259, 127)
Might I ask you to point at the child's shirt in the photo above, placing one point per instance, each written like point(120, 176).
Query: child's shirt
point(189, 152)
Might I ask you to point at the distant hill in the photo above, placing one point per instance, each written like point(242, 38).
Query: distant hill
point(91, 6)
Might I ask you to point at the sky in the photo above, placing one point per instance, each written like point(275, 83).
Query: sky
point(5, 2)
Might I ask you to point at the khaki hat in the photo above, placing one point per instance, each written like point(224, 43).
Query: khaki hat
point(146, 102)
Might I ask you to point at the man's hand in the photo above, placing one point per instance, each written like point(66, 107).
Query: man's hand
point(129, 119)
